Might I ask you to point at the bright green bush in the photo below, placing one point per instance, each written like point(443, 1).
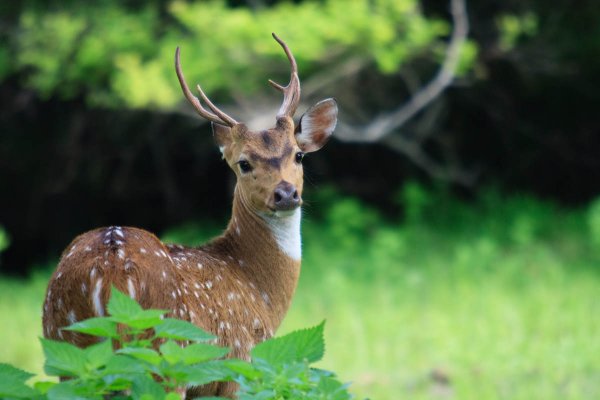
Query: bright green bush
point(280, 367)
point(114, 55)
point(4, 239)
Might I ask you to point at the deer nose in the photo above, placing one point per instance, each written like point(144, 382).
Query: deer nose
point(286, 197)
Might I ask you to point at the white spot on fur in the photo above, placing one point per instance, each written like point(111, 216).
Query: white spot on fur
point(208, 284)
point(58, 275)
point(121, 254)
point(96, 298)
point(200, 265)
point(119, 232)
point(71, 317)
point(237, 343)
point(88, 248)
point(92, 273)
point(256, 323)
point(174, 294)
point(164, 275)
point(131, 288)
point(143, 250)
point(83, 288)
point(265, 297)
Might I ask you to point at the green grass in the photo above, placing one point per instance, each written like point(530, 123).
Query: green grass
point(495, 299)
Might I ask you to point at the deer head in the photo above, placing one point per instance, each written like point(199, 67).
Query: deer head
point(268, 163)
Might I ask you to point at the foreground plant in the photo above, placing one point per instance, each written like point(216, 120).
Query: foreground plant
point(142, 355)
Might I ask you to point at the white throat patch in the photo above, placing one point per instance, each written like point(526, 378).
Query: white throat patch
point(286, 232)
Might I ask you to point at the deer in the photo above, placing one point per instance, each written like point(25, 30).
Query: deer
point(239, 285)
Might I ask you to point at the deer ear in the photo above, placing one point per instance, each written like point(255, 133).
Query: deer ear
point(317, 125)
point(222, 135)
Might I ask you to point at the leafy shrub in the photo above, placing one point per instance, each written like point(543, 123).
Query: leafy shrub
point(115, 55)
point(151, 362)
point(4, 239)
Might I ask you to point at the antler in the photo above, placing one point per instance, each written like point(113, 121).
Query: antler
point(291, 92)
point(219, 116)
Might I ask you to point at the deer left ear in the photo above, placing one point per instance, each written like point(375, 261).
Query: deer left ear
point(317, 125)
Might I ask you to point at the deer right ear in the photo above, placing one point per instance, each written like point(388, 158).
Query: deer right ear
point(317, 125)
point(222, 135)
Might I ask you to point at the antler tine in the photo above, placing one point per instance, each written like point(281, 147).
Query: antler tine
point(219, 116)
point(291, 92)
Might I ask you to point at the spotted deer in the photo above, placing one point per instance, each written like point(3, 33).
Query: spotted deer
point(238, 285)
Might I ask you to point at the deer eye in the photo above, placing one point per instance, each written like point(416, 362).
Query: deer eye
point(299, 157)
point(245, 166)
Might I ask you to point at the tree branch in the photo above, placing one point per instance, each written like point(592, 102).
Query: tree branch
point(386, 123)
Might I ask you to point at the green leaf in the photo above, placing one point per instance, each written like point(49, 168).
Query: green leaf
point(44, 386)
point(146, 319)
point(243, 368)
point(120, 364)
point(201, 374)
point(192, 354)
point(98, 354)
point(12, 383)
point(122, 307)
point(146, 387)
point(125, 310)
point(63, 359)
point(101, 326)
point(181, 330)
point(68, 390)
point(147, 355)
point(301, 345)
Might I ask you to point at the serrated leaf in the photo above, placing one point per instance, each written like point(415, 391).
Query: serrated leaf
point(192, 354)
point(177, 329)
point(147, 355)
point(302, 345)
point(120, 364)
point(122, 307)
point(12, 383)
point(200, 352)
point(98, 354)
point(63, 359)
point(145, 386)
point(67, 390)
point(100, 326)
point(146, 319)
point(171, 352)
point(201, 374)
point(44, 386)
point(243, 368)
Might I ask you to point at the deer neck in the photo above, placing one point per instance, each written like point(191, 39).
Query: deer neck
point(268, 251)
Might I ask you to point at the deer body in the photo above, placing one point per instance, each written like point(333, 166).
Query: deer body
point(237, 286)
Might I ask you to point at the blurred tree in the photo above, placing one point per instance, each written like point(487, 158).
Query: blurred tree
point(93, 129)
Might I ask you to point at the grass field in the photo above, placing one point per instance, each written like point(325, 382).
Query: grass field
point(496, 299)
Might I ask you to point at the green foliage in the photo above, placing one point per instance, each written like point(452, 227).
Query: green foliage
point(515, 27)
point(116, 56)
point(280, 367)
point(482, 299)
point(4, 239)
point(593, 222)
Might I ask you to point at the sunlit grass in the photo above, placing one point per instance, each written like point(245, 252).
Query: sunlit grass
point(494, 300)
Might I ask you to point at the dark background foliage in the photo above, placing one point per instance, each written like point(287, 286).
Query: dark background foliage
point(523, 119)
